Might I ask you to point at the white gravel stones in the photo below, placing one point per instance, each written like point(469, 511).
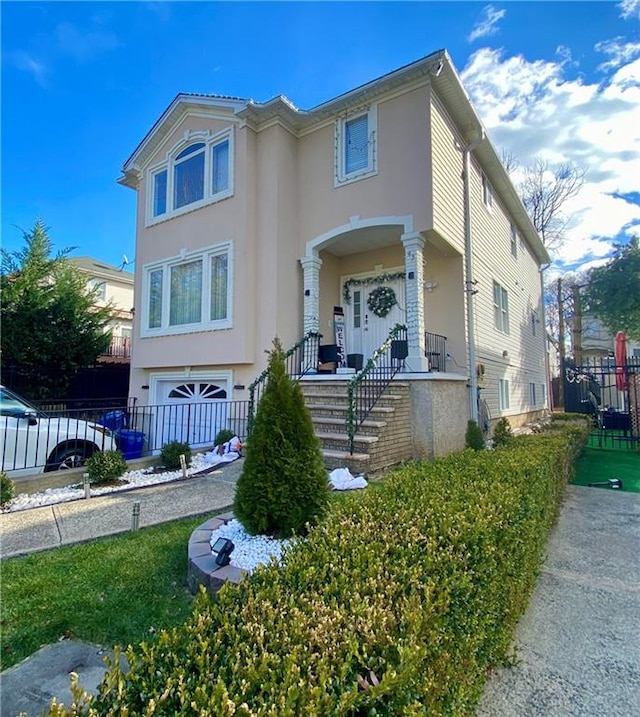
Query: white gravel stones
point(250, 550)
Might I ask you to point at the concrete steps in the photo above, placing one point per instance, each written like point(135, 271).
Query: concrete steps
point(327, 401)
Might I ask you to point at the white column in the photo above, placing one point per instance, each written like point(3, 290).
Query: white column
point(311, 310)
point(414, 266)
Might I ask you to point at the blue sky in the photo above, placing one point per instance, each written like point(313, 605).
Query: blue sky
point(82, 83)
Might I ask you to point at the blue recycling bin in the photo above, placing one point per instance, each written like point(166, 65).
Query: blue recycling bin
point(130, 443)
point(114, 420)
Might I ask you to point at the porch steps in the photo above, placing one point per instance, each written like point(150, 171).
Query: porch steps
point(327, 401)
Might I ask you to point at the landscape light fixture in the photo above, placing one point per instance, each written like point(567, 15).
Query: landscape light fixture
point(222, 549)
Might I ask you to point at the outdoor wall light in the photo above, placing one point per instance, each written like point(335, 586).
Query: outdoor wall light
point(222, 549)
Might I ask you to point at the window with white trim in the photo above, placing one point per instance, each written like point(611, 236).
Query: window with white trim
point(532, 394)
point(503, 394)
point(355, 147)
point(534, 322)
point(357, 309)
point(487, 193)
point(514, 241)
point(99, 286)
point(500, 308)
point(192, 176)
point(188, 293)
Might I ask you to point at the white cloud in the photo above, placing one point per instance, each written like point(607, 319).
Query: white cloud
point(487, 24)
point(532, 109)
point(619, 52)
point(629, 9)
point(83, 44)
point(27, 63)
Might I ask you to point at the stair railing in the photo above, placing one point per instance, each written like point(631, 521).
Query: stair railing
point(300, 359)
point(366, 387)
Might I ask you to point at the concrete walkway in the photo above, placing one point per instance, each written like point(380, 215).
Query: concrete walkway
point(578, 643)
point(28, 531)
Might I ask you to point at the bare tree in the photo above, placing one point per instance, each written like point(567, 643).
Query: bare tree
point(509, 160)
point(544, 193)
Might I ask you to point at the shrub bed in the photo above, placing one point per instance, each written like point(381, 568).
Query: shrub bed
point(399, 603)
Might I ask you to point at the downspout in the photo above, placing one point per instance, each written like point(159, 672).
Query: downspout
point(545, 340)
point(470, 283)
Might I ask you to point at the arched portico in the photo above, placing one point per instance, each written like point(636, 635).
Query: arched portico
point(372, 236)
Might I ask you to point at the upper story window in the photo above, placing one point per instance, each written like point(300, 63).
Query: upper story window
point(500, 308)
point(355, 147)
point(191, 177)
point(188, 293)
point(487, 192)
point(514, 240)
point(99, 286)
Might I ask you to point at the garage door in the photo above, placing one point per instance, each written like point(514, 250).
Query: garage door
point(194, 411)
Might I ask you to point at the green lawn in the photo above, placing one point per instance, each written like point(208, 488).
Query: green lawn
point(599, 464)
point(111, 591)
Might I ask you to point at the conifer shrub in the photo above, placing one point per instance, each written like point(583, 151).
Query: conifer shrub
point(473, 437)
point(7, 489)
point(399, 603)
point(284, 483)
point(502, 433)
point(105, 466)
point(170, 454)
point(223, 435)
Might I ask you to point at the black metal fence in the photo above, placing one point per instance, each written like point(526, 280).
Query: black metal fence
point(436, 350)
point(62, 437)
point(610, 393)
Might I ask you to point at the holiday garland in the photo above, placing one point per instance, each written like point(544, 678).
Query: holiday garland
point(382, 300)
point(381, 278)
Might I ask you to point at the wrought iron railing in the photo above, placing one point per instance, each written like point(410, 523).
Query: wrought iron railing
point(39, 440)
point(120, 347)
point(368, 385)
point(436, 351)
point(300, 359)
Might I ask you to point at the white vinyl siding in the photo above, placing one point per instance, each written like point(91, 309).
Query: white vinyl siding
point(446, 167)
point(188, 293)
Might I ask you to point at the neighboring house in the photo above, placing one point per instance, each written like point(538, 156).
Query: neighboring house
point(255, 220)
point(113, 286)
point(599, 343)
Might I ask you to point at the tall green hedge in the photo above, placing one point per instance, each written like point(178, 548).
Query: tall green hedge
point(399, 603)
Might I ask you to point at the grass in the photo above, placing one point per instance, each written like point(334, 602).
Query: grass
point(115, 590)
point(597, 465)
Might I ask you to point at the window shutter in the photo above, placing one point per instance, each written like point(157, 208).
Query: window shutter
point(356, 144)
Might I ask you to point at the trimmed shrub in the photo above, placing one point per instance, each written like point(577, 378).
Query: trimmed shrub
point(171, 452)
point(502, 433)
point(105, 465)
point(284, 483)
point(412, 590)
point(473, 437)
point(224, 435)
point(7, 489)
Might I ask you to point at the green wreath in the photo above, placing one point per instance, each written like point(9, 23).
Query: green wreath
point(382, 300)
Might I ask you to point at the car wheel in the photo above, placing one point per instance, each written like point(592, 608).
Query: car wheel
point(70, 457)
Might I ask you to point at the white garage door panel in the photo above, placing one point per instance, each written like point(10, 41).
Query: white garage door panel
point(194, 411)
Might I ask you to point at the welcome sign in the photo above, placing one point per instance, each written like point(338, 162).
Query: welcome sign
point(339, 328)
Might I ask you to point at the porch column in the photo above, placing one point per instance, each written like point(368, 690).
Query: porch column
point(311, 310)
point(414, 266)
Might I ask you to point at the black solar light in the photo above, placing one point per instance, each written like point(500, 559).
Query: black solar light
point(222, 549)
point(614, 483)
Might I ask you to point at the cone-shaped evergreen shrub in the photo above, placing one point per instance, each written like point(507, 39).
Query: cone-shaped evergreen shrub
point(283, 484)
point(473, 437)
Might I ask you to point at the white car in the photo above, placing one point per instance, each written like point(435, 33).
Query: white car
point(33, 442)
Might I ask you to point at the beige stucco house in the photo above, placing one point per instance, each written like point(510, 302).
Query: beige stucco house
point(255, 220)
point(113, 287)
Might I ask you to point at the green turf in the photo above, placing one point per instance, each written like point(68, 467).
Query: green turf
point(599, 464)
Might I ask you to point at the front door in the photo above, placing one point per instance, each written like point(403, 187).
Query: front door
point(365, 330)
